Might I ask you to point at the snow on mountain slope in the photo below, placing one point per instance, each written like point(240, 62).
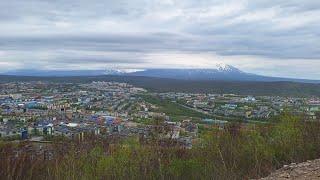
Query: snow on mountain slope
point(121, 71)
point(217, 72)
point(221, 72)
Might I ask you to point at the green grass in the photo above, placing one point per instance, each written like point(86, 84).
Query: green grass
point(146, 121)
point(174, 110)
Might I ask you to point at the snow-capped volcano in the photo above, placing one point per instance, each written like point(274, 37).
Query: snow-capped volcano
point(217, 72)
point(219, 67)
point(121, 71)
point(220, 72)
point(225, 68)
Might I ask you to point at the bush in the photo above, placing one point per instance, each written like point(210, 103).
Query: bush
point(237, 152)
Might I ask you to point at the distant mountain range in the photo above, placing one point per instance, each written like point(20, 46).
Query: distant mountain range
point(54, 73)
point(212, 74)
point(221, 72)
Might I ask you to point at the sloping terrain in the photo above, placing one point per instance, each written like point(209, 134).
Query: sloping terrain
point(309, 170)
point(281, 88)
point(219, 72)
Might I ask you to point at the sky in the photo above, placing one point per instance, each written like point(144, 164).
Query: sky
point(267, 37)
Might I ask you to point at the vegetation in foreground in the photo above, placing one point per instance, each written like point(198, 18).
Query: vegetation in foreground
point(233, 153)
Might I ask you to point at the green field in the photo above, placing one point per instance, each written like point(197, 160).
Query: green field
point(174, 110)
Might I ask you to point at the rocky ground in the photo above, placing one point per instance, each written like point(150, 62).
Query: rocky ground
point(309, 170)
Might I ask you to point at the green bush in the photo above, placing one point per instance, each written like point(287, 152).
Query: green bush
point(237, 152)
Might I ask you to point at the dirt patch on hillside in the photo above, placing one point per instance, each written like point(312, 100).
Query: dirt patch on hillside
point(309, 170)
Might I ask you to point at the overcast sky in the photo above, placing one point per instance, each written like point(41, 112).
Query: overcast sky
point(268, 37)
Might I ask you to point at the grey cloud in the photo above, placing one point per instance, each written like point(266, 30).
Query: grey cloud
point(277, 29)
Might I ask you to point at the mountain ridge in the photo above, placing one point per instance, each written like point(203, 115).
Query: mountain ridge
point(219, 72)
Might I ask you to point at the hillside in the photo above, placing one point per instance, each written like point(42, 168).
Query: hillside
point(217, 72)
point(282, 88)
point(307, 170)
point(221, 73)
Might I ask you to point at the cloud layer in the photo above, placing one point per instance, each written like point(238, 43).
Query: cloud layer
point(278, 38)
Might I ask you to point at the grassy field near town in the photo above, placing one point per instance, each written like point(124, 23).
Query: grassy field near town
point(174, 110)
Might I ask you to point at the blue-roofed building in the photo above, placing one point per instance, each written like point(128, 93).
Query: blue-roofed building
point(32, 104)
point(24, 134)
point(219, 123)
point(109, 120)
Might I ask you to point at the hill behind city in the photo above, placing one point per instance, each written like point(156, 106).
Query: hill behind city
point(279, 88)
